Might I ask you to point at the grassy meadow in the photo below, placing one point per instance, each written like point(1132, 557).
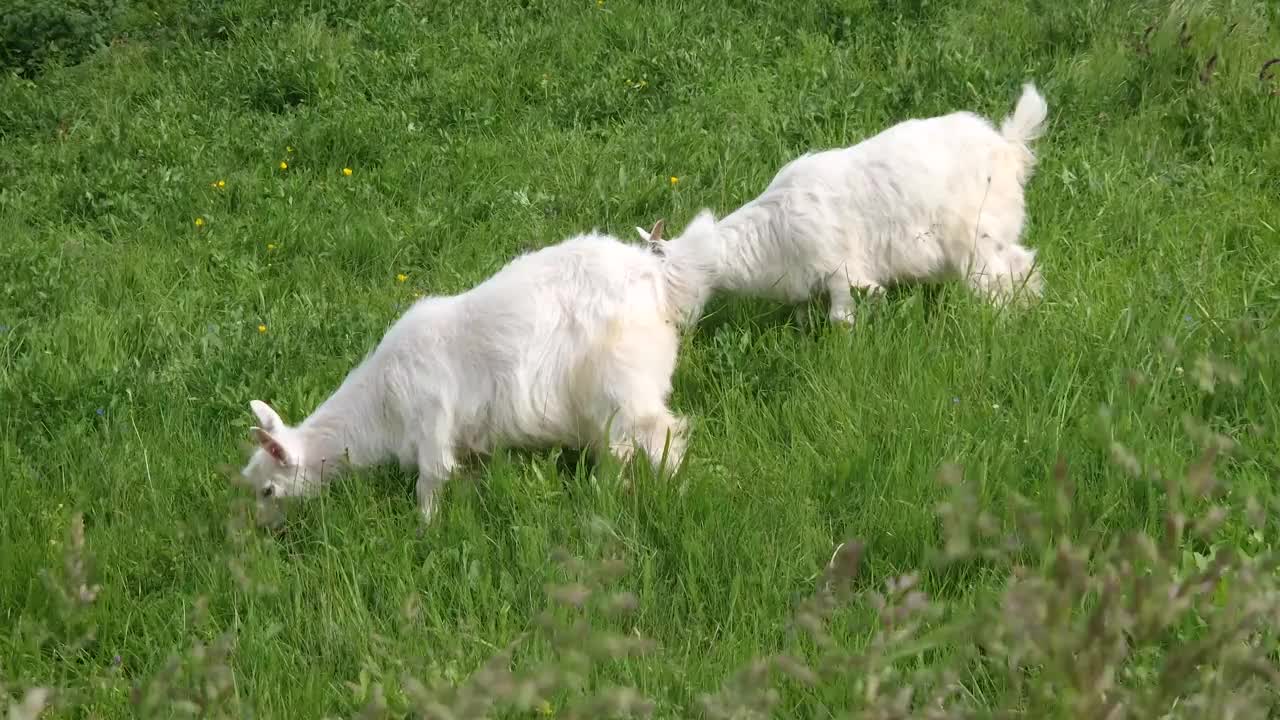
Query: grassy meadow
point(226, 200)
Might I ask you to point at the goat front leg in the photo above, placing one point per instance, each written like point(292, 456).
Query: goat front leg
point(1000, 269)
point(841, 311)
point(839, 288)
point(631, 389)
point(435, 450)
point(435, 465)
point(436, 460)
point(661, 436)
point(668, 438)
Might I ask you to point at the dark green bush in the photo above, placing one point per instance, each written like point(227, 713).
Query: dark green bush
point(34, 33)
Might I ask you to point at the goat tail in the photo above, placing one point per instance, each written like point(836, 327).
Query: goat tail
point(1027, 121)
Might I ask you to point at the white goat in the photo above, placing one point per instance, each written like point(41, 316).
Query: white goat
point(558, 346)
point(925, 200)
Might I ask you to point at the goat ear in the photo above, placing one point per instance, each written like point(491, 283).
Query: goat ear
point(273, 447)
point(644, 234)
point(653, 238)
point(267, 418)
point(655, 235)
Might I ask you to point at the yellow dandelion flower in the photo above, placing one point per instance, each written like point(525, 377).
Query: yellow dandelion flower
point(284, 165)
point(674, 181)
point(346, 171)
point(288, 148)
point(221, 184)
point(199, 222)
point(545, 708)
point(401, 277)
point(262, 328)
point(599, 3)
point(271, 246)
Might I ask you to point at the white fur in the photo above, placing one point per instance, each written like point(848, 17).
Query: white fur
point(553, 349)
point(925, 200)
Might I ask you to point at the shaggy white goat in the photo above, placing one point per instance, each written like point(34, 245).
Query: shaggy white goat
point(925, 200)
point(557, 346)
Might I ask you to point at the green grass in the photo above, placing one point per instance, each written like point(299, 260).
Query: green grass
point(131, 345)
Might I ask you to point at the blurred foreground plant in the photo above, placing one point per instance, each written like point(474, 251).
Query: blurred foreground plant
point(577, 646)
point(1172, 623)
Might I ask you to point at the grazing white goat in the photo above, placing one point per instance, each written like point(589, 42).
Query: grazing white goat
point(574, 344)
point(925, 200)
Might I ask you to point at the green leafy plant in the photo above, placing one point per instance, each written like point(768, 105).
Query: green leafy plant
point(34, 33)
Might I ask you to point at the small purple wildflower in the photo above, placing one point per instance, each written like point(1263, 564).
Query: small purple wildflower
point(117, 660)
point(4, 329)
point(955, 401)
point(1186, 318)
point(100, 412)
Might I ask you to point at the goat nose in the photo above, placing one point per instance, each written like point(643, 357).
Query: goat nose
point(269, 491)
